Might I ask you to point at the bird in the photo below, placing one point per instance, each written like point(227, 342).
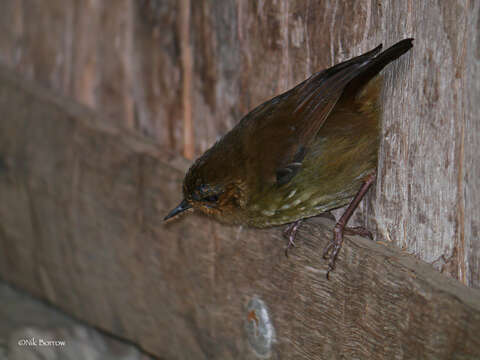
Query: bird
point(303, 153)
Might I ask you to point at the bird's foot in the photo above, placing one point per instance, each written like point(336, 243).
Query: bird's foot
point(290, 232)
point(332, 249)
point(330, 252)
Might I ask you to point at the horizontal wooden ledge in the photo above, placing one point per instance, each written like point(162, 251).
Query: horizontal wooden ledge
point(81, 226)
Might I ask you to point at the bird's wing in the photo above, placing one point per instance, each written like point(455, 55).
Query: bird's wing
point(290, 122)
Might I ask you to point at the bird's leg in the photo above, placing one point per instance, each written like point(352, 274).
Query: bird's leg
point(290, 232)
point(340, 227)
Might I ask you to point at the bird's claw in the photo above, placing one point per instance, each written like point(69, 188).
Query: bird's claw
point(290, 232)
point(291, 243)
point(332, 249)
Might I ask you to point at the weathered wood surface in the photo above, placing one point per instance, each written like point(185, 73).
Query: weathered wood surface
point(81, 226)
point(25, 318)
point(141, 63)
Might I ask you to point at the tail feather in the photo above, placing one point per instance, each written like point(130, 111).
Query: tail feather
point(392, 53)
point(377, 64)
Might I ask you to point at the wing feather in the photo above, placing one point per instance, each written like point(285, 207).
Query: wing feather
point(290, 122)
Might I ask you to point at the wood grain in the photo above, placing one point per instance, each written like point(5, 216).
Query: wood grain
point(124, 59)
point(81, 226)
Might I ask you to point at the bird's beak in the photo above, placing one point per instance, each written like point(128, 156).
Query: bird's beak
point(184, 205)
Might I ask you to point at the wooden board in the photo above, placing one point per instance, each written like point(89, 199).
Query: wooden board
point(81, 226)
point(184, 72)
point(30, 329)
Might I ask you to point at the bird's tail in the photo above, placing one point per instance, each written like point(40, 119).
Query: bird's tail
point(392, 53)
point(377, 63)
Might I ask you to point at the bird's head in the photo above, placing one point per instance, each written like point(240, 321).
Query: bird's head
point(214, 187)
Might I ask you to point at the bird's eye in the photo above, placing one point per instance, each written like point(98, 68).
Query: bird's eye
point(211, 198)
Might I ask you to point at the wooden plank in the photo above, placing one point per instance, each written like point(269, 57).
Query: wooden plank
point(31, 329)
point(468, 177)
point(128, 68)
point(81, 226)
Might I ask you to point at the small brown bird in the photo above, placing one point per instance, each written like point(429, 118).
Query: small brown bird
point(307, 151)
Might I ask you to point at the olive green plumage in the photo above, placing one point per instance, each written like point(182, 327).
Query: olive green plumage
point(299, 154)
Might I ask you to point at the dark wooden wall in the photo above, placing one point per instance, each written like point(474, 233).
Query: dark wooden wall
point(184, 72)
